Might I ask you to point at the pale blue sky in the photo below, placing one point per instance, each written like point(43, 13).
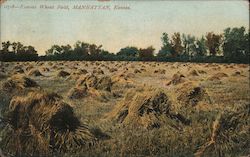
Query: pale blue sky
point(140, 26)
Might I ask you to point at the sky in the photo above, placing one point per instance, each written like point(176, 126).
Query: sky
point(142, 25)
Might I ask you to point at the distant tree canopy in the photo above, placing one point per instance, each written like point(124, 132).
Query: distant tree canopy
point(166, 49)
point(80, 50)
point(129, 52)
point(236, 43)
point(186, 46)
point(147, 53)
point(176, 45)
point(189, 46)
point(213, 42)
point(17, 51)
point(200, 48)
point(230, 46)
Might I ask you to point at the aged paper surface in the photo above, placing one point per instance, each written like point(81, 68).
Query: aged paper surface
point(124, 78)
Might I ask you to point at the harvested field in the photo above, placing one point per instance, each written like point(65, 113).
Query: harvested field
point(18, 82)
point(41, 122)
point(35, 73)
point(97, 108)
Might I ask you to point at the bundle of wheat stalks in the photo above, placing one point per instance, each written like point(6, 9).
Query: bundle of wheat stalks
point(227, 130)
point(41, 123)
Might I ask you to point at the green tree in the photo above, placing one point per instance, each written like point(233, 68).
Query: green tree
point(19, 52)
point(129, 52)
point(5, 53)
point(166, 49)
point(66, 49)
point(104, 53)
point(94, 50)
point(14, 47)
point(54, 50)
point(30, 50)
point(236, 43)
point(81, 49)
point(147, 54)
point(213, 42)
point(189, 44)
point(5, 46)
point(176, 45)
point(27, 53)
point(19, 47)
point(201, 48)
point(246, 45)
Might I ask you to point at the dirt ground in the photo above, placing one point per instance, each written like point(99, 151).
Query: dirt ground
point(146, 108)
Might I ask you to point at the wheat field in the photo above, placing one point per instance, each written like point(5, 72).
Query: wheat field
point(111, 108)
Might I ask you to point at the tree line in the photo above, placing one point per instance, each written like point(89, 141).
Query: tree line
point(16, 51)
point(230, 46)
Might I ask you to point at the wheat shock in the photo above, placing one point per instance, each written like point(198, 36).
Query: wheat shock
point(92, 7)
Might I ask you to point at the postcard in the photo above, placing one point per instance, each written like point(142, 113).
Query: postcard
point(128, 78)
